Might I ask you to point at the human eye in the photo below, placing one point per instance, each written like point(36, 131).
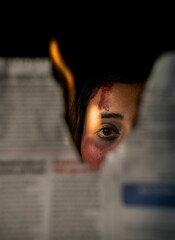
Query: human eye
point(109, 132)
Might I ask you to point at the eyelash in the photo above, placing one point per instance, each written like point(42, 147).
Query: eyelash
point(114, 131)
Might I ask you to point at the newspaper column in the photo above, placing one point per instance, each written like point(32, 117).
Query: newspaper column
point(46, 192)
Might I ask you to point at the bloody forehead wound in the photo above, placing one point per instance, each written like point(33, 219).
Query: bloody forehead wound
point(104, 96)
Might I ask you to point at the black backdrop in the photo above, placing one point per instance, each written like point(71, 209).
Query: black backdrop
point(90, 49)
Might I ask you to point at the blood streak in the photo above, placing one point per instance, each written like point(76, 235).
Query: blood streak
point(104, 97)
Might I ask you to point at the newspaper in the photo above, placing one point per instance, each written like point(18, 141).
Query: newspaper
point(46, 192)
point(138, 178)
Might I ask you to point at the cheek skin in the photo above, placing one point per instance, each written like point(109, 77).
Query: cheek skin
point(92, 153)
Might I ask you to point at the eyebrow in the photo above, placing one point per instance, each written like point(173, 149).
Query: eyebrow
point(112, 115)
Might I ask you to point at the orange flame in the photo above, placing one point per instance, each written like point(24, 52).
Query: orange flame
point(61, 65)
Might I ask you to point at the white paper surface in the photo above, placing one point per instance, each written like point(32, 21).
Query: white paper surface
point(139, 203)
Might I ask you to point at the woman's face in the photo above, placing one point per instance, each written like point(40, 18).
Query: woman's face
point(108, 121)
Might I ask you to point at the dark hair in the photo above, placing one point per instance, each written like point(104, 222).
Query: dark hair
point(81, 101)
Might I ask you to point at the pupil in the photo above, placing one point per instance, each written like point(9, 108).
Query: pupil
point(107, 131)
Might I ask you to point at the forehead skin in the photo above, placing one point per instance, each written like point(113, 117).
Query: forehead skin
point(112, 98)
point(118, 98)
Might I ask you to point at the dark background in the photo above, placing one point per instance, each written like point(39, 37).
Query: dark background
point(125, 48)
